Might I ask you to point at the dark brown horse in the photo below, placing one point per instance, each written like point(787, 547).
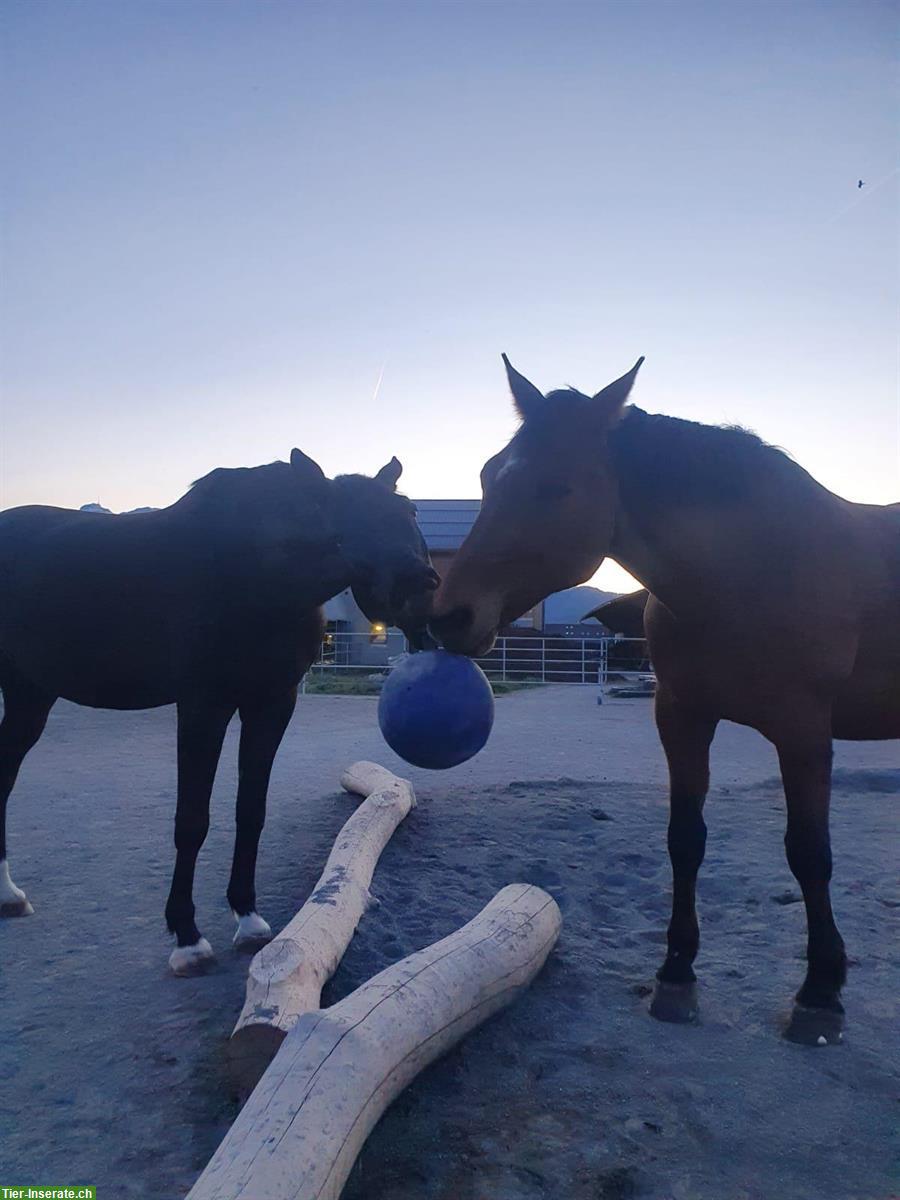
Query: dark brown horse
point(740, 549)
point(212, 604)
point(622, 614)
point(625, 615)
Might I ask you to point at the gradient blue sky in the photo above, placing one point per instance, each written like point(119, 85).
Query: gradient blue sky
point(222, 219)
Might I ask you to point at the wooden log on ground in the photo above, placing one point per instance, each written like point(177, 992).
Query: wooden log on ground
point(299, 1134)
point(286, 977)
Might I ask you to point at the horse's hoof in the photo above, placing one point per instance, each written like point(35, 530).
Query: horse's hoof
point(675, 1002)
point(815, 1026)
point(252, 932)
point(192, 960)
point(13, 901)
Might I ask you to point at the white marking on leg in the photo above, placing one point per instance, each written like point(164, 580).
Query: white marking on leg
point(251, 930)
point(190, 960)
point(13, 901)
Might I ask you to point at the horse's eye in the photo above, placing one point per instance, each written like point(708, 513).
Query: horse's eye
point(547, 492)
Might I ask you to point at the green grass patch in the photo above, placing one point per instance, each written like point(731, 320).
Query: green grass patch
point(341, 685)
point(503, 687)
point(355, 685)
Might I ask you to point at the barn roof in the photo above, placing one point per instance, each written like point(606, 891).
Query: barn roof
point(445, 523)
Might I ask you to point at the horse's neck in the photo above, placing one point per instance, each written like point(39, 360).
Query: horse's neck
point(652, 560)
point(695, 553)
point(247, 542)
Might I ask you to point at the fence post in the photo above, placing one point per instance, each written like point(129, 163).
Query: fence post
point(503, 659)
point(543, 660)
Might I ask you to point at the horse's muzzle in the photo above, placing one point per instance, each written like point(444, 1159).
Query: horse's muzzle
point(403, 598)
point(413, 602)
point(456, 631)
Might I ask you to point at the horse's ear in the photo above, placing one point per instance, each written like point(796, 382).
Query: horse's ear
point(388, 475)
point(527, 397)
point(305, 470)
point(612, 399)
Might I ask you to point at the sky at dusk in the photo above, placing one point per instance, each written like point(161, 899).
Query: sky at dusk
point(225, 222)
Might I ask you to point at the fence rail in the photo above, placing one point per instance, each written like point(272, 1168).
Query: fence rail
point(514, 659)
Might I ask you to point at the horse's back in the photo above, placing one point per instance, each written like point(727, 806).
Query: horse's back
point(128, 611)
point(25, 534)
point(82, 605)
point(20, 526)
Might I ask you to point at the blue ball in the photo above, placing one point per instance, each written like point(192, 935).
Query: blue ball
point(436, 709)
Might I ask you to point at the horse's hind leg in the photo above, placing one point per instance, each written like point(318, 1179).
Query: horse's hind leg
point(263, 723)
point(26, 709)
point(805, 759)
point(201, 731)
point(686, 737)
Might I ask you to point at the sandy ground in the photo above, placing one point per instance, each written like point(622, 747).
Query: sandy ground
point(112, 1071)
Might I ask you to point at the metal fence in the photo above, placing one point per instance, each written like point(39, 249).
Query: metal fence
point(514, 659)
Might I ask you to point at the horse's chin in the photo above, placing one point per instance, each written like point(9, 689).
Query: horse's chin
point(407, 613)
point(484, 647)
point(374, 608)
point(465, 643)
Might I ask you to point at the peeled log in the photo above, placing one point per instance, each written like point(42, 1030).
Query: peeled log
point(299, 1134)
point(286, 977)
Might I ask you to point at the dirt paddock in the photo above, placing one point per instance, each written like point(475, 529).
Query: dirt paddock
point(112, 1070)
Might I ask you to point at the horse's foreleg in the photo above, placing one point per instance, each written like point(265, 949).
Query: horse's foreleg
point(201, 730)
point(806, 772)
point(24, 716)
point(686, 737)
point(263, 723)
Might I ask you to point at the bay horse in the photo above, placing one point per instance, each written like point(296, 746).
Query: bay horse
point(739, 548)
point(213, 604)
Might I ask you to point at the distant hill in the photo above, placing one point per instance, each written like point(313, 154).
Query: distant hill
point(569, 607)
point(99, 508)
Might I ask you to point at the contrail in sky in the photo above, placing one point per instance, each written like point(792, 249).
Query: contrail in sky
point(378, 384)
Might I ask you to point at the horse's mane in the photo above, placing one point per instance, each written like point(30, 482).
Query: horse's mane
point(660, 457)
point(232, 482)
